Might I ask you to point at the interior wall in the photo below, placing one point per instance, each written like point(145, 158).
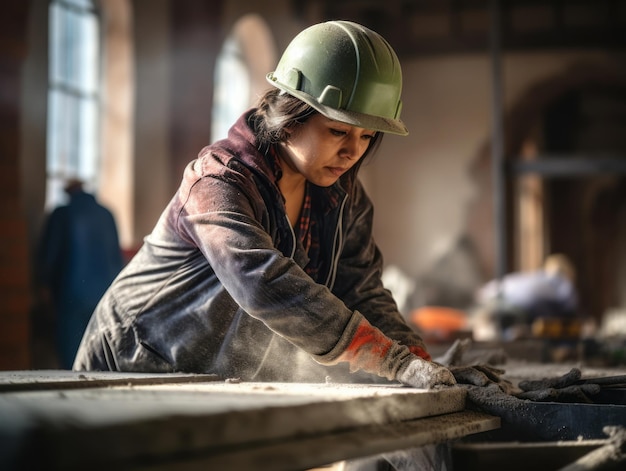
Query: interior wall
point(425, 193)
point(14, 269)
point(153, 95)
point(279, 15)
point(620, 276)
point(116, 185)
point(32, 175)
point(196, 36)
point(420, 183)
point(34, 108)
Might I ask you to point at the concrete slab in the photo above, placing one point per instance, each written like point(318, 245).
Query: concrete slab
point(303, 453)
point(216, 422)
point(37, 380)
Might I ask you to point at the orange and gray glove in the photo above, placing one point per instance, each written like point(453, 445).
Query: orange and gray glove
point(372, 351)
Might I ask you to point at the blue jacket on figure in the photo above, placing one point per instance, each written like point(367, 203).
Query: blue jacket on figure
point(80, 256)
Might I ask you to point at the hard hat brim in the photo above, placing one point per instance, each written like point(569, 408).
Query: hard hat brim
point(353, 118)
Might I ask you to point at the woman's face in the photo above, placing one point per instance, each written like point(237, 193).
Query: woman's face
point(321, 150)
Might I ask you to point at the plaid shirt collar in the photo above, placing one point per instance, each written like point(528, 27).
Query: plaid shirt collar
point(307, 228)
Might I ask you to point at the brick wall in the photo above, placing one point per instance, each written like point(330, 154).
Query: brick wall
point(14, 258)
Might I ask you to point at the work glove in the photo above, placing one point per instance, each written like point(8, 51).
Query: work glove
point(426, 374)
point(477, 374)
point(491, 399)
point(559, 389)
point(372, 351)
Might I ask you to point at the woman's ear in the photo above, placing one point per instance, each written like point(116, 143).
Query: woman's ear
point(288, 131)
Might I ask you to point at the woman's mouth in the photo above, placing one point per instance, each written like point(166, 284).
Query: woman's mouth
point(337, 171)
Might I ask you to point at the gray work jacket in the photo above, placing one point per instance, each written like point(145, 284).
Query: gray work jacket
point(219, 286)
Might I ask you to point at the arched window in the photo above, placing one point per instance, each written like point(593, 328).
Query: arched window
point(247, 55)
point(73, 96)
point(232, 88)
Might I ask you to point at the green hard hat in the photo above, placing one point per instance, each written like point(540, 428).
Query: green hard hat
point(347, 72)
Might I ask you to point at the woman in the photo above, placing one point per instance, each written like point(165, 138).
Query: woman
point(263, 266)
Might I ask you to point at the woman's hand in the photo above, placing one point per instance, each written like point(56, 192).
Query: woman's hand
point(425, 374)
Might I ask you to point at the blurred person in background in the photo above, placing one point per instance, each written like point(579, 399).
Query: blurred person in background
point(541, 303)
point(79, 256)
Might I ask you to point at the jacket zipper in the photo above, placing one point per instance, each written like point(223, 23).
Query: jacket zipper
point(337, 241)
point(293, 237)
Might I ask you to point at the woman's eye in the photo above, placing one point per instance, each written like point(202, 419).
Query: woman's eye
point(368, 137)
point(338, 132)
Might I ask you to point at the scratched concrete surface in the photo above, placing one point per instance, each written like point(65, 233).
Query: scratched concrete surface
point(150, 419)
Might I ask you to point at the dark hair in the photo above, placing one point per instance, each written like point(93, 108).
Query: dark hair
point(278, 111)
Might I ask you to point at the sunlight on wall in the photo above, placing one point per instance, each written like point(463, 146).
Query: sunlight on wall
point(247, 55)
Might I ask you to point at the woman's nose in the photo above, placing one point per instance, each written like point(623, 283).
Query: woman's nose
point(352, 148)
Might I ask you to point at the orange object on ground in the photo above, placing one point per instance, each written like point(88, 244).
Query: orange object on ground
point(438, 322)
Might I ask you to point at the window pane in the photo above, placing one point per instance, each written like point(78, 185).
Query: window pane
point(72, 40)
point(60, 124)
point(81, 3)
point(64, 42)
point(231, 90)
point(74, 49)
point(73, 110)
point(54, 163)
point(54, 192)
point(72, 134)
point(88, 77)
point(88, 137)
point(56, 49)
